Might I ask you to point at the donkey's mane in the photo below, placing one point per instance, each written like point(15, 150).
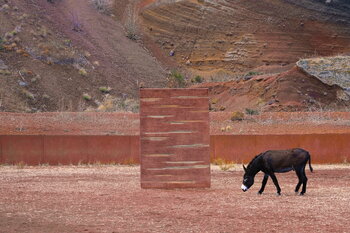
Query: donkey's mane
point(253, 160)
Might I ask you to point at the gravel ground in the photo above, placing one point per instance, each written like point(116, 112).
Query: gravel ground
point(109, 199)
point(92, 123)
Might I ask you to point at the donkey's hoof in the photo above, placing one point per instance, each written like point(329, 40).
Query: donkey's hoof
point(278, 194)
point(301, 194)
point(296, 193)
point(259, 193)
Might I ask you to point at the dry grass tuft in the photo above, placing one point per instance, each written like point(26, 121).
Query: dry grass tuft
point(104, 6)
point(223, 164)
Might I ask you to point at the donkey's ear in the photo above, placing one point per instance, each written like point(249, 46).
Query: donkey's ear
point(245, 169)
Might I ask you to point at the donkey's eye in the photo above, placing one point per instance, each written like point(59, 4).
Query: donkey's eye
point(245, 179)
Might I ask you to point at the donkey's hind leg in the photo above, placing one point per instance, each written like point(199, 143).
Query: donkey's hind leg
point(303, 190)
point(274, 179)
point(298, 171)
point(266, 177)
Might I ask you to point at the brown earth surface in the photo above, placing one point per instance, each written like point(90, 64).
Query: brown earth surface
point(109, 199)
point(91, 123)
point(57, 52)
point(233, 37)
point(292, 90)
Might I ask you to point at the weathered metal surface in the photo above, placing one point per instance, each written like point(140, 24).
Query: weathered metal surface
point(65, 150)
point(324, 148)
point(174, 135)
point(34, 150)
point(27, 149)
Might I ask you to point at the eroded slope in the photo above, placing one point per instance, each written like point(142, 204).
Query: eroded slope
point(240, 35)
point(66, 55)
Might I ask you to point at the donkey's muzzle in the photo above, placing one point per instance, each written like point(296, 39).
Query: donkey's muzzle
point(244, 188)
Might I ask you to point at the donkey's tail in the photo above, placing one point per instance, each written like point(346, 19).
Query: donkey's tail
point(311, 169)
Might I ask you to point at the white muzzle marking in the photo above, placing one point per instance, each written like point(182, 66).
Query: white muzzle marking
point(244, 188)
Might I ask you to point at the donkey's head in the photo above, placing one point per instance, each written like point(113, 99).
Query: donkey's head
point(248, 180)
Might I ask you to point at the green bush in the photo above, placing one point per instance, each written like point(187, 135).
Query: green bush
point(105, 89)
point(197, 79)
point(253, 73)
point(1, 44)
point(86, 97)
point(179, 78)
point(251, 111)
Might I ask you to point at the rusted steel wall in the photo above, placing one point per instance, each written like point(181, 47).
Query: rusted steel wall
point(34, 150)
point(324, 148)
point(174, 135)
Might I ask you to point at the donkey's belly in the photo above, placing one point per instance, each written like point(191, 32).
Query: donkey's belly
point(282, 170)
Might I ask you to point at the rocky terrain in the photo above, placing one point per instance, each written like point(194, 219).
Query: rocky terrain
point(331, 71)
point(77, 55)
point(69, 56)
point(232, 37)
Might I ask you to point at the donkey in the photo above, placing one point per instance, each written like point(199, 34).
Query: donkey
point(277, 161)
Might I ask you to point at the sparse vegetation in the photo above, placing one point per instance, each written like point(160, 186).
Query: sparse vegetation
point(129, 162)
point(5, 72)
point(176, 79)
point(226, 129)
point(21, 165)
point(223, 164)
point(28, 94)
point(252, 73)
point(197, 79)
point(251, 112)
point(86, 97)
point(117, 104)
point(83, 72)
point(237, 116)
point(76, 24)
point(1, 44)
point(103, 6)
point(105, 89)
point(131, 25)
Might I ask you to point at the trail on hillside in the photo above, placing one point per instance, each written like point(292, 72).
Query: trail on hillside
point(120, 58)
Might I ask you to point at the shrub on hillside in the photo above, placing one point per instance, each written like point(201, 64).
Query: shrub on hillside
point(176, 79)
point(103, 5)
point(237, 116)
point(251, 111)
point(197, 79)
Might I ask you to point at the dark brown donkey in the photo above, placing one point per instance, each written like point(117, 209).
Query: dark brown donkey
point(277, 161)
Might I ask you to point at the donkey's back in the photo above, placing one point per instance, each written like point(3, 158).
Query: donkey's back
point(286, 160)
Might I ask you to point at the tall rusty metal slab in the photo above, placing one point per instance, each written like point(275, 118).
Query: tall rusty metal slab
point(174, 138)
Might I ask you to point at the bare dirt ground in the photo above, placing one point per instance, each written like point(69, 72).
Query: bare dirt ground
point(56, 52)
point(109, 199)
point(119, 123)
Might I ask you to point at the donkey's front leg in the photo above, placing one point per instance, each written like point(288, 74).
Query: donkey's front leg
point(266, 176)
point(274, 179)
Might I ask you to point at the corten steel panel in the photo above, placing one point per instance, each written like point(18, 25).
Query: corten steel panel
point(112, 149)
point(174, 138)
point(65, 150)
point(1, 160)
point(27, 149)
point(90, 149)
point(324, 148)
